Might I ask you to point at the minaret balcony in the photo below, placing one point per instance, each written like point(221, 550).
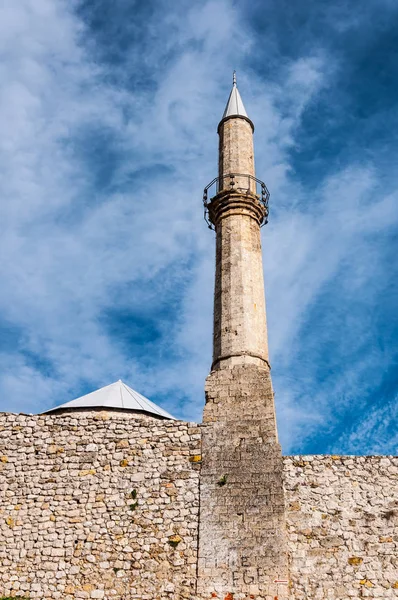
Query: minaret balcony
point(242, 188)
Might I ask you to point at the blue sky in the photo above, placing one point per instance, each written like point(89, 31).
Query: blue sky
point(108, 112)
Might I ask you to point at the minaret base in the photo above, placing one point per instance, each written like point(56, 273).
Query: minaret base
point(242, 546)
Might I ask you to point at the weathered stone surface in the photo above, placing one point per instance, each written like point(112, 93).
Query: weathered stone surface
point(342, 521)
point(86, 509)
point(242, 546)
point(236, 152)
point(240, 329)
point(63, 535)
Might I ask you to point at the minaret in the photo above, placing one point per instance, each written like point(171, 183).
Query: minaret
point(242, 547)
point(237, 212)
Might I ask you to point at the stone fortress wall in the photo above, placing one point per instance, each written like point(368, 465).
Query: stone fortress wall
point(98, 505)
point(105, 504)
point(342, 521)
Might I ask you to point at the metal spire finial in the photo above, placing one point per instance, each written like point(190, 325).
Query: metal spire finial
point(234, 105)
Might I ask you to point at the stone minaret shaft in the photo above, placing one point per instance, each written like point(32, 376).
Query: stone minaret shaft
point(240, 330)
point(242, 548)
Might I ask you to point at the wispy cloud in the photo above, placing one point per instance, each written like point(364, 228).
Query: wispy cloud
point(108, 122)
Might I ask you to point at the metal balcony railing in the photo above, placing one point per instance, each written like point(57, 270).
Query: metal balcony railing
point(246, 184)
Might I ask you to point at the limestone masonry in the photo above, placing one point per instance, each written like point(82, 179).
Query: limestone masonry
point(72, 526)
point(342, 523)
point(108, 497)
point(98, 504)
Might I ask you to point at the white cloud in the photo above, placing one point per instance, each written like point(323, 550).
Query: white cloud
point(378, 428)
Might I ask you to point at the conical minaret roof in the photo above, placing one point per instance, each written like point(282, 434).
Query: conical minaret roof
point(235, 106)
point(116, 395)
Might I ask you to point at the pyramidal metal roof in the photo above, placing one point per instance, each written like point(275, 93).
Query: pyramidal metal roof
point(116, 395)
point(235, 106)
